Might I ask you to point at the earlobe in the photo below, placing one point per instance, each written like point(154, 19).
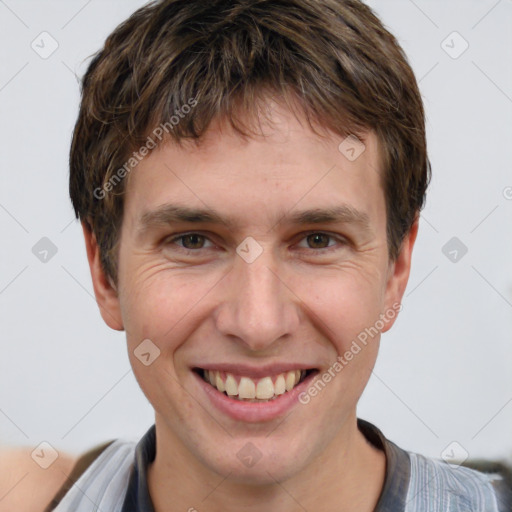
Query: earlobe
point(399, 272)
point(104, 289)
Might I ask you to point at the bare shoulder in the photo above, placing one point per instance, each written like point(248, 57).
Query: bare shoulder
point(29, 480)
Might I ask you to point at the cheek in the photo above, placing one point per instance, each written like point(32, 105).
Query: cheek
point(346, 303)
point(348, 309)
point(164, 309)
point(159, 304)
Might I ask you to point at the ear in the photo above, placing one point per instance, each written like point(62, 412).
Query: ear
point(398, 275)
point(104, 289)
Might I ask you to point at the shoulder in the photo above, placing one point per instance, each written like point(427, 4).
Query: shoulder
point(436, 483)
point(25, 485)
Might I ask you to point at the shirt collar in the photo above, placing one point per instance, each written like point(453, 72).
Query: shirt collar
point(398, 469)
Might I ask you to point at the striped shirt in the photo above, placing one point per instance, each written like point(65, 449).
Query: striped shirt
point(117, 481)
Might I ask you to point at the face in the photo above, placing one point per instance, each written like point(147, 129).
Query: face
point(261, 261)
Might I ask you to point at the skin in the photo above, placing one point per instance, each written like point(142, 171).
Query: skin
point(303, 300)
point(25, 486)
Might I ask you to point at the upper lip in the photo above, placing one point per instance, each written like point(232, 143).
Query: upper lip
point(255, 371)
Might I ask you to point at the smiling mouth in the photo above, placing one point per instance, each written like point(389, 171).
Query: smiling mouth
point(265, 389)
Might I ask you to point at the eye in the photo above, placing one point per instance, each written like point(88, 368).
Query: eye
point(318, 240)
point(189, 241)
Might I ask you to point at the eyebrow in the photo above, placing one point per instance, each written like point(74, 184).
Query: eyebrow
point(171, 214)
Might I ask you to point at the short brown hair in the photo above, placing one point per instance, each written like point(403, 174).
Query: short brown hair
point(346, 70)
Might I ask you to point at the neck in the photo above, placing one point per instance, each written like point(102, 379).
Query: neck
point(347, 476)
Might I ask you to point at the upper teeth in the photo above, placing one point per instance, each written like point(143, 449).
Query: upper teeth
point(263, 389)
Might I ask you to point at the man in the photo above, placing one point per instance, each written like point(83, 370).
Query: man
point(249, 177)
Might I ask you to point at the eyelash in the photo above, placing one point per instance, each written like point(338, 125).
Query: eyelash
point(341, 240)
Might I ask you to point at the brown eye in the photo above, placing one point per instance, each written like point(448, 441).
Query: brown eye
point(192, 241)
point(318, 240)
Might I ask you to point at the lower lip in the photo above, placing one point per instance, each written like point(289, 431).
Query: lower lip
point(253, 411)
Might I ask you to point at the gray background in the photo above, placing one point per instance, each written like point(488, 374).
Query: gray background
point(444, 372)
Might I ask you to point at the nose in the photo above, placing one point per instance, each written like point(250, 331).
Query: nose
point(259, 307)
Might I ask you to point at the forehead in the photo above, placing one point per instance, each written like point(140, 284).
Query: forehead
point(287, 167)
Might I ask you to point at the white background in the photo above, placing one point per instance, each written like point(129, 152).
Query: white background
point(444, 371)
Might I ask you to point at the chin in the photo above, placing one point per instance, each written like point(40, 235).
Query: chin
point(253, 462)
